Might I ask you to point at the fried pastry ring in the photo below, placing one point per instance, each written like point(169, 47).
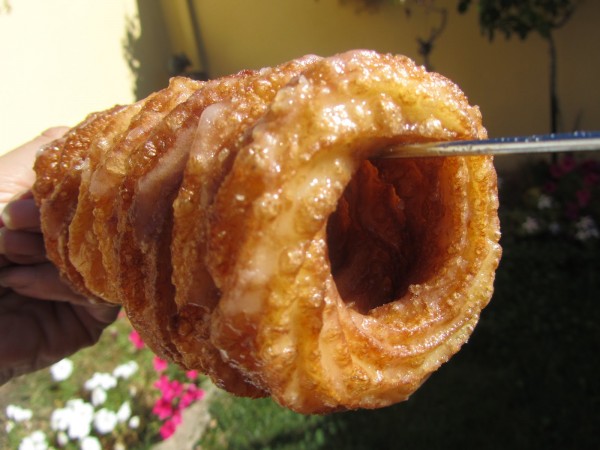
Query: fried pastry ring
point(255, 235)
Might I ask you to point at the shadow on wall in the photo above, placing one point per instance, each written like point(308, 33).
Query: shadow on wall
point(146, 48)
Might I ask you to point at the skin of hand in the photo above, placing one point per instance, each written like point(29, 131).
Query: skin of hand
point(41, 318)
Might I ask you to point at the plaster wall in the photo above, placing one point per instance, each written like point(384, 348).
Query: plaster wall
point(508, 79)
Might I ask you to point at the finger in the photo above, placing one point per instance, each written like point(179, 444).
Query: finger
point(22, 247)
point(22, 214)
point(36, 334)
point(4, 262)
point(16, 166)
point(41, 281)
point(100, 313)
point(26, 151)
point(54, 133)
point(23, 195)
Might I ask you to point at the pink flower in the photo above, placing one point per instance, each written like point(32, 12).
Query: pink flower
point(163, 409)
point(136, 340)
point(568, 163)
point(550, 187)
point(591, 179)
point(564, 166)
point(162, 383)
point(170, 390)
point(186, 400)
point(175, 390)
point(590, 165)
point(177, 418)
point(196, 392)
point(572, 211)
point(160, 365)
point(191, 394)
point(583, 197)
point(191, 374)
point(168, 428)
point(556, 170)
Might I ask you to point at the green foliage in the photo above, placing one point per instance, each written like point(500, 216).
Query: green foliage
point(521, 17)
point(247, 424)
point(560, 199)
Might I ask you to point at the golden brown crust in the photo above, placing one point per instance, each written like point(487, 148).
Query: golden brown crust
point(62, 192)
point(84, 246)
point(268, 247)
point(255, 236)
point(142, 146)
point(234, 107)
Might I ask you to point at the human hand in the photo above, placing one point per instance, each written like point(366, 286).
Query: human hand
point(41, 318)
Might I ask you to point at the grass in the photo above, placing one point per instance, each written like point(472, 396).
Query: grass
point(526, 379)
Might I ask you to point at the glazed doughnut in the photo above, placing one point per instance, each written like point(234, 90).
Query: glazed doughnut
point(250, 231)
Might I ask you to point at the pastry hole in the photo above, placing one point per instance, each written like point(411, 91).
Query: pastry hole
point(383, 235)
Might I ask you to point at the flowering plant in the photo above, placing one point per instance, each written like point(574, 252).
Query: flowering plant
point(175, 395)
point(131, 405)
point(562, 199)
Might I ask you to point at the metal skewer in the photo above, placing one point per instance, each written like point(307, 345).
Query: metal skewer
point(550, 143)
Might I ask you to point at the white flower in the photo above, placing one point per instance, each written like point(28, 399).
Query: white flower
point(134, 422)
point(10, 425)
point(18, 414)
point(124, 412)
point(586, 229)
point(62, 439)
point(81, 407)
point(98, 396)
point(119, 446)
point(126, 370)
point(530, 225)
point(35, 441)
point(61, 370)
point(544, 202)
point(105, 421)
point(75, 419)
point(60, 418)
point(90, 443)
point(103, 380)
point(79, 428)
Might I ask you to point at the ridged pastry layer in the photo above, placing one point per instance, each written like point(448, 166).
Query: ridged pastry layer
point(250, 230)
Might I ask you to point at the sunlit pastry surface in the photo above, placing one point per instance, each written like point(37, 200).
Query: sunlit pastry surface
point(249, 230)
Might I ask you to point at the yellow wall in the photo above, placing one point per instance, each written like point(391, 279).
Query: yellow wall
point(62, 59)
point(508, 79)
